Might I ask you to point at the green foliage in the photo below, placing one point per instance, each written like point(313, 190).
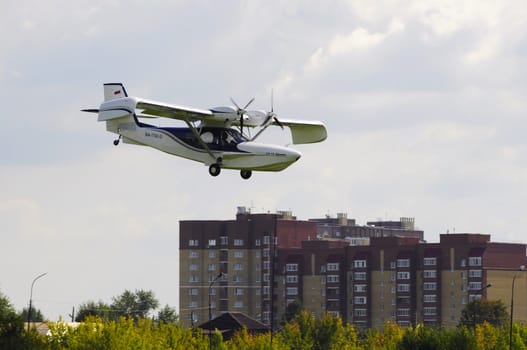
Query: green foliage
point(292, 309)
point(11, 325)
point(478, 311)
point(91, 308)
point(134, 305)
point(36, 315)
point(167, 315)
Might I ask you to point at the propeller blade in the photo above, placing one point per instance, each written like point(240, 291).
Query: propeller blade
point(235, 104)
point(278, 122)
point(241, 111)
point(248, 103)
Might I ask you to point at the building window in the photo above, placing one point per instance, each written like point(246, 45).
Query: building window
point(429, 298)
point(212, 267)
point(266, 290)
point(291, 267)
point(333, 266)
point(266, 265)
point(193, 279)
point(212, 242)
point(429, 311)
point(192, 304)
point(193, 254)
point(403, 287)
point(193, 291)
point(360, 312)
point(238, 267)
point(266, 277)
point(360, 300)
point(392, 265)
point(237, 279)
point(266, 240)
point(359, 276)
point(403, 275)
point(238, 304)
point(463, 263)
point(474, 286)
point(238, 254)
point(359, 264)
point(292, 291)
point(429, 286)
point(332, 278)
point(291, 279)
point(360, 288)
point(238, 291)
point(238, 242)
point(403, 262)
point(475, 273)
point(474, 261)
point(430, 261)
point(403, 312)
point(212, 254)
point(257, 242)
point(193, 242)
point(429, 273)
point(224, 240)
point(265, 253)
point(257, 266)
point(193, 267)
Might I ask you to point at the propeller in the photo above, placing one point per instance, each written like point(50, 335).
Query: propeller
point(272, 115)
point(241, 111)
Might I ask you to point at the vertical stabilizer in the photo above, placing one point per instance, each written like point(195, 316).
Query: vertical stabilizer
point(113, 91)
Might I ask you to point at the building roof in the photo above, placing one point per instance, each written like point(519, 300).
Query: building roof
point(230, 322)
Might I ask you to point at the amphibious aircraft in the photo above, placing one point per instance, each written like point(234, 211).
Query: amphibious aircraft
point(214, 137)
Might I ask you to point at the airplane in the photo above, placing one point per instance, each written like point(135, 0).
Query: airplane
point(214, 137)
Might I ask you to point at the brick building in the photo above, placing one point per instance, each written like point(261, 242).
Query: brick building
point(386, 276)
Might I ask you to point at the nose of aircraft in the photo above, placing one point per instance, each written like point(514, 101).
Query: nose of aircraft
point(293, 154)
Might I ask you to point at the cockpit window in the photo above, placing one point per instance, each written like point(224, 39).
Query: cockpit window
point(221, 138)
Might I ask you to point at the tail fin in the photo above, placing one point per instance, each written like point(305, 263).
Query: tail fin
point(113, 91)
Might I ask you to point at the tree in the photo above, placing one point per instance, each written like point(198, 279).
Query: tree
point(478, 311)
point(36, 315)
point(11, 324)
point(292, 309)
point(91, 308)
point(167, 315)
point(134, 305)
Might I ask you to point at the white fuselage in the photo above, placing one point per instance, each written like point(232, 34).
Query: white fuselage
point(243, 155)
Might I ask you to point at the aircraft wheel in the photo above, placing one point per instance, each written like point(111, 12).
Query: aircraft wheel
point(246, 174)
point(214, 169)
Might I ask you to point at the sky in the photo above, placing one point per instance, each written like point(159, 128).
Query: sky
point(424, 103)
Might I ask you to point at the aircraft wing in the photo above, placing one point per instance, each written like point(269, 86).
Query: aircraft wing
point(160, 109)
point(304, 131)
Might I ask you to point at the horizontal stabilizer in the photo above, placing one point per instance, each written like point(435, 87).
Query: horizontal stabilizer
point(90, 110)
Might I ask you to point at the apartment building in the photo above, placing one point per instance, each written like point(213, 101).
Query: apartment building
point(401, 279)
point(259, 263)
point(230, 263)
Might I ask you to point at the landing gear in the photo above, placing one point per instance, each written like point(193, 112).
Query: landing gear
point(246, 174)
point(214, 169)
point(116, 142)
